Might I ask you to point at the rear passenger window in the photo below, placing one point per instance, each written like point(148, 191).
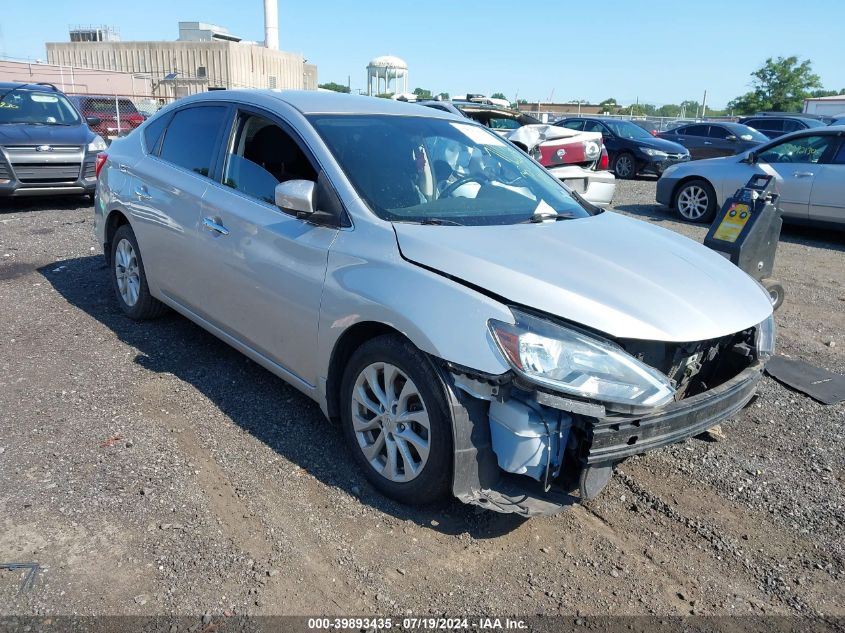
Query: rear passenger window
point(792, 126)
point(697, 130)
point(192, 136)
point(573, 125)
point(153, 131)
point(839, 159)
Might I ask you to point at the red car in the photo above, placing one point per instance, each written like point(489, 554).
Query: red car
point(118, 115)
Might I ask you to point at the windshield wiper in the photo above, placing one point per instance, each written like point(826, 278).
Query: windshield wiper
point(432, 222)
point(542, 217)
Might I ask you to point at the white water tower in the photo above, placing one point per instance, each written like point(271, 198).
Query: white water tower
point(384, 70)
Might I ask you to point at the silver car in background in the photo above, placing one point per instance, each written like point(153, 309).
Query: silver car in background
point(477, 330)
point(809, 169)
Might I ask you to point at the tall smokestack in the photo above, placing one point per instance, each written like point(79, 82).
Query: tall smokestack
point(271, 24)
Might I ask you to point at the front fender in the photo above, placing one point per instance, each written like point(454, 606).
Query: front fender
point(440, 316)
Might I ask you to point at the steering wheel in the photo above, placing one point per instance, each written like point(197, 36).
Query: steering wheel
point(460, 182)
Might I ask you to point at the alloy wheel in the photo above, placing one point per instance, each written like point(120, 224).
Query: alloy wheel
point(693, 202)
point(390, 422)
point(127, 272)
point(624, 166)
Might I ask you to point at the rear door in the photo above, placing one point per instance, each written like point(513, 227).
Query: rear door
point(796, 161)
point(264, 272)
point(694, 138)
point(827, 201)
point(166, 192)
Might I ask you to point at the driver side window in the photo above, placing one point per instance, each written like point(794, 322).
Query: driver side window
point(262, 156)
point(805, 149)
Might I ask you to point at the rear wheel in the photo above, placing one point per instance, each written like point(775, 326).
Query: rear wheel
point(625, 166)
point(129, 279)
point(695, 201)
point(396, 420)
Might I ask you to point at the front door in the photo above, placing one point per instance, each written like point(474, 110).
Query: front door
point(265, 267)
point(797, 162)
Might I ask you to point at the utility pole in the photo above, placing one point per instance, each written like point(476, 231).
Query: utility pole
point(704, 105)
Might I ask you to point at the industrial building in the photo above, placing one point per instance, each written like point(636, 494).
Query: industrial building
point(205, 57)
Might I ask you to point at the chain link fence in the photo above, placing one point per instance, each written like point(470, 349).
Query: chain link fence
point(112, 116)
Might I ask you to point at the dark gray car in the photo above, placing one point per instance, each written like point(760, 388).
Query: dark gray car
point(46, 147)
point(711, 140)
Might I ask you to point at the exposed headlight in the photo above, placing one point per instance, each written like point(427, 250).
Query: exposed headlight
point(569, 361)
point(656, 153)
point(97, 145)
point(765, 338)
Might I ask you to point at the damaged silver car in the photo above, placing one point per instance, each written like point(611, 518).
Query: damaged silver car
point(474, 327)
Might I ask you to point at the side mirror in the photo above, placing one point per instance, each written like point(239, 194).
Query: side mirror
point(751, 159)
point(93, 121)
point(296, 196)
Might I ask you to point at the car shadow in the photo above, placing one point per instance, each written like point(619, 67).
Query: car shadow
point(252, 398)
point(51, 203)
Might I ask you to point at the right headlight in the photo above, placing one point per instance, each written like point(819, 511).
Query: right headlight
point(570, 361)
point(654, 153)
point(765, 338)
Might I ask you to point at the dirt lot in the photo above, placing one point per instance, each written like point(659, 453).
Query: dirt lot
point(151, 469)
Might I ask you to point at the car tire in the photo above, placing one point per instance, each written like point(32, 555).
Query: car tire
point(776, 292)
point(396, 420)
point(129, 279)
point(695, 201)
point(625, 166)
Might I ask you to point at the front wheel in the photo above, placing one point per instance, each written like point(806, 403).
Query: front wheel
point(695, 201)
point(625, 166)
point(776, 292)
point(396, 420)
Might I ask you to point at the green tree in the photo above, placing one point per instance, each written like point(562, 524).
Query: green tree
point(444, 96)
point(422, 93)
point(333, 86)
point(780, 85)
point(611, 102)
point(498, 95)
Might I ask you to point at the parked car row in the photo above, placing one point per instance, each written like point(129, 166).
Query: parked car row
point(632, 150)
point(578, 159)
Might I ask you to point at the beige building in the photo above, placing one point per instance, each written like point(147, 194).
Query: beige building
point(205, 57)
point(76, 80)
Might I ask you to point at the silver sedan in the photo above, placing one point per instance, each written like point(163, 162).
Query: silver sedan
point(809, 168)
point(473, 326)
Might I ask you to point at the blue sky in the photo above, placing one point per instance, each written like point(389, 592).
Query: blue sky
point(658, 51)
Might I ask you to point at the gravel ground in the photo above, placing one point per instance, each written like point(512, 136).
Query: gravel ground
point(150, 469)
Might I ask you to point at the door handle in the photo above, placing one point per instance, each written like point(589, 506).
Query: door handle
point(803, 174)
point(142, 193)
point(211, 225)
point(707, 143)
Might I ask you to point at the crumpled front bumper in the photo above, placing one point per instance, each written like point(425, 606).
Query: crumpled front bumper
point(606, 441)
point(614, 439)
point(596, 187)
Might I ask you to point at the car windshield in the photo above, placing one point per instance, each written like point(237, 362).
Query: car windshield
point(431, 170)
point(626, 129)
point(37, 107)
point(814, 123)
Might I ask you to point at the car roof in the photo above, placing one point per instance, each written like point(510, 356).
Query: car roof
point(797, 117)
point(6, 86)
point(319, 102)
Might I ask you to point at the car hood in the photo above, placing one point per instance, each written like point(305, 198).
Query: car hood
point(29, 134)
point(661, 144)
point(614, 274)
